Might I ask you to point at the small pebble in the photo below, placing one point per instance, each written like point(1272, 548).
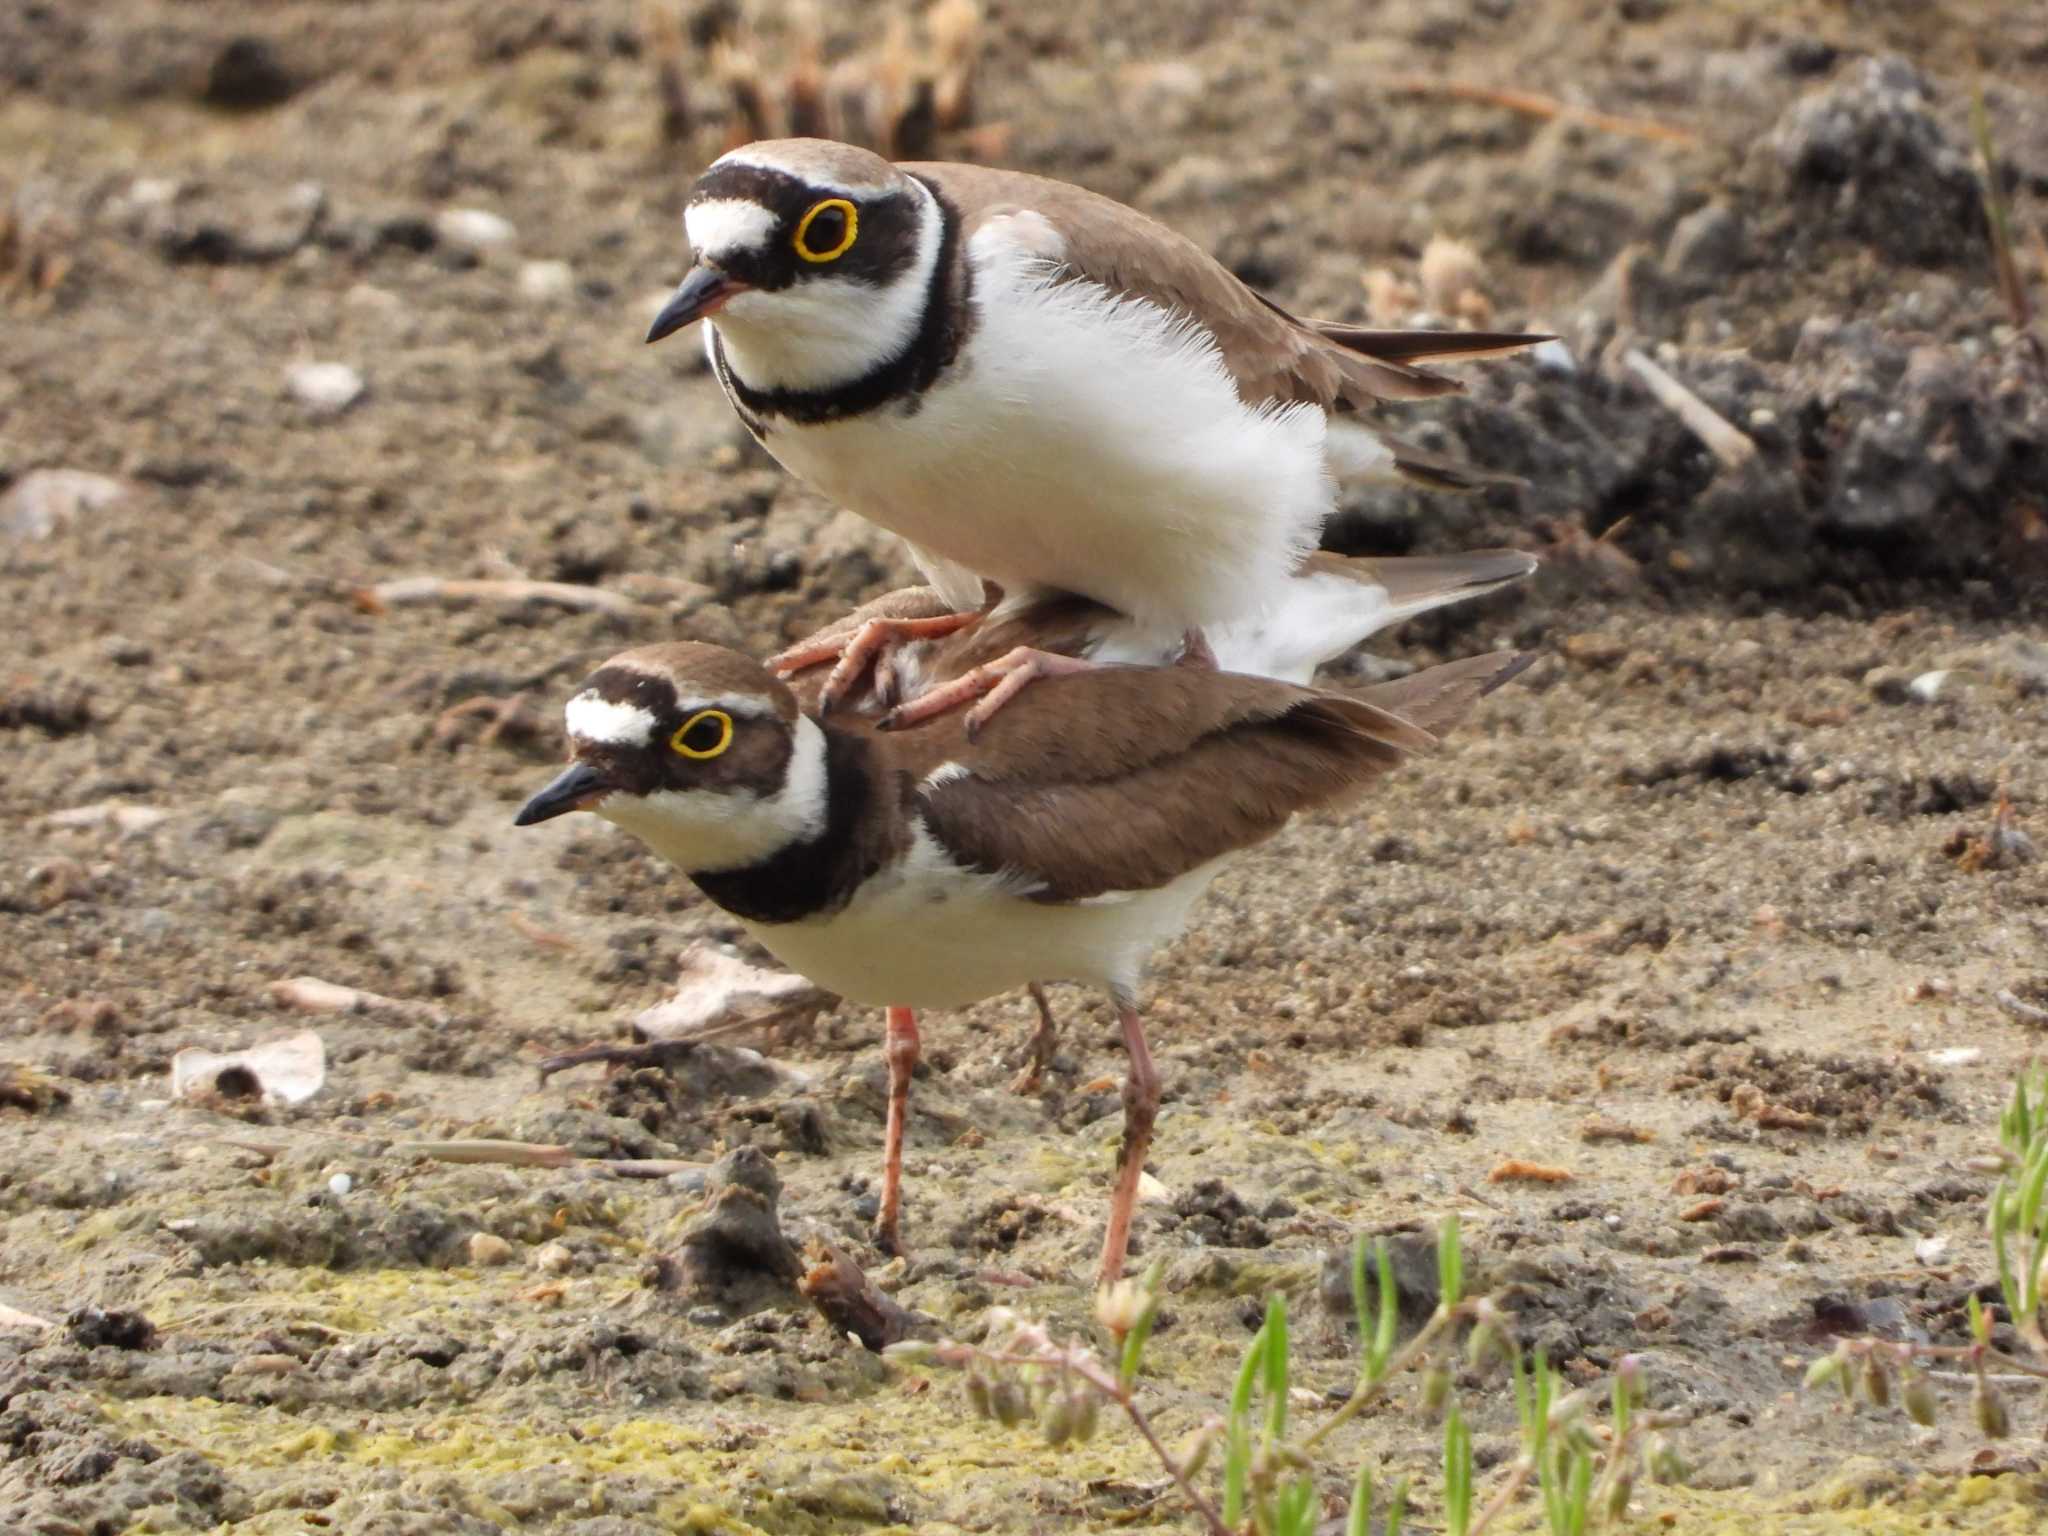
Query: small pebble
point(44, 500)
point(547, 282)
point(474, 229)
point(487, 1248)
point(341, 1184)
point(328, 387)
point(553, 1259)
point(1929, 686)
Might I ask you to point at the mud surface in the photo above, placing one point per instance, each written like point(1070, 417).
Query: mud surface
point(1713, 905)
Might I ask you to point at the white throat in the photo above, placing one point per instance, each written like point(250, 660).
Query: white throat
point(823, 332)
point(706, 831)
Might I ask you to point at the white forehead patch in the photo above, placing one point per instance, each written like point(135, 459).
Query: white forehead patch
point(812, 175)
point(591, 718)
point(728, 224)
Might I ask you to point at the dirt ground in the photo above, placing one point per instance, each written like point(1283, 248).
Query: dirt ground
point(1725, 890)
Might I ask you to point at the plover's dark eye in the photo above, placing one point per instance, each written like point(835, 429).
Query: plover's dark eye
point(705, 734)
point(827, 232)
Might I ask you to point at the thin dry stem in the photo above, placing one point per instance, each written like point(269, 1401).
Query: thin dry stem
point(1727, 442)
point(1405, 1357)
point(515, 1154)
point(1531, 104)
point(405, 590)
point(2011, 286)
point(1040, 1350)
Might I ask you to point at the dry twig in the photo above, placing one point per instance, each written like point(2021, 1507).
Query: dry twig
point(1530, 104)
point(1726, 441)
point(405, 591)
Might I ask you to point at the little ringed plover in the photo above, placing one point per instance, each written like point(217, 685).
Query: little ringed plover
point(918, 869)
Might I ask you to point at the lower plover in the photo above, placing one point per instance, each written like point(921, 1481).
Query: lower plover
point(921, 869)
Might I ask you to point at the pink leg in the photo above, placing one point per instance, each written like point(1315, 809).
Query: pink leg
point(1195, 651)
point(1038, 1051)
point(1141, 1109)
point(995, 683)
point(899, 1049)
point(858, 650)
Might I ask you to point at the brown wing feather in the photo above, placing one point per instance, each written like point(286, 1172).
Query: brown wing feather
point(1274, 357)
point(1122, 780)
point(1427, 346)
point(1437, 698)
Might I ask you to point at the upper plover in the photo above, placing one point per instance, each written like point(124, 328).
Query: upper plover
point(919, 869)
point(1036, 385)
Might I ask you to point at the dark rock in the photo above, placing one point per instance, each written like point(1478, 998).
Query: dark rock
point(254, 226)
point(1866, 159)
point(733, 1253)
point(93, 1327)
point(1707, 245)
point(1213, 1214)
point(248, 75)
point(1412, 1257)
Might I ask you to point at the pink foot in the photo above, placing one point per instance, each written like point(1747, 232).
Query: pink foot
point(860, 649)
point(994, 683)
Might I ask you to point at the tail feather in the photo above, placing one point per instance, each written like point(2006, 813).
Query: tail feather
point(1363, 451)
point(1427, 346)
point(1437, 698)
point(1439, 472)
point(1415, 584)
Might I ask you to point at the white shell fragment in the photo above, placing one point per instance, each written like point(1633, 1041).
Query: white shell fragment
point(124, 819)
point(713, 988)
point(330, 388)
point(474, 229)
point(547, 282)
point(1930, 685)
point(288, 1070)
point(44, 500)
point(1955, 1056)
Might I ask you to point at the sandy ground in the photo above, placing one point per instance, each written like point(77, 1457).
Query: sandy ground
point(1714, 875)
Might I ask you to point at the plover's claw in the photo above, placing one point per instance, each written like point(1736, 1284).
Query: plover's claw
point(867, 647)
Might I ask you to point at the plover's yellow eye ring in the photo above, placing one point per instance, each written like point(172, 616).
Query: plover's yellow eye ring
point(837, 223)
point(705, 734)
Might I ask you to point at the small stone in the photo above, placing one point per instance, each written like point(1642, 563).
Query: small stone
point(329, 388)
point(340, 1184)
point(96, 1327)
point(476, 230)
point(1929, 686)
point(733, 1253)
point(554, 1259)
point(1869, 159)
point(1707, 244)
point(249, 74)
point(368, 296)
point(547, 282)
point(1889, 685)
point(44, 500)
point(123, 652)
point(487, 1248)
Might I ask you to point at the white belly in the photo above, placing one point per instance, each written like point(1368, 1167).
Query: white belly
point(931, 937)
point(1085, 443)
